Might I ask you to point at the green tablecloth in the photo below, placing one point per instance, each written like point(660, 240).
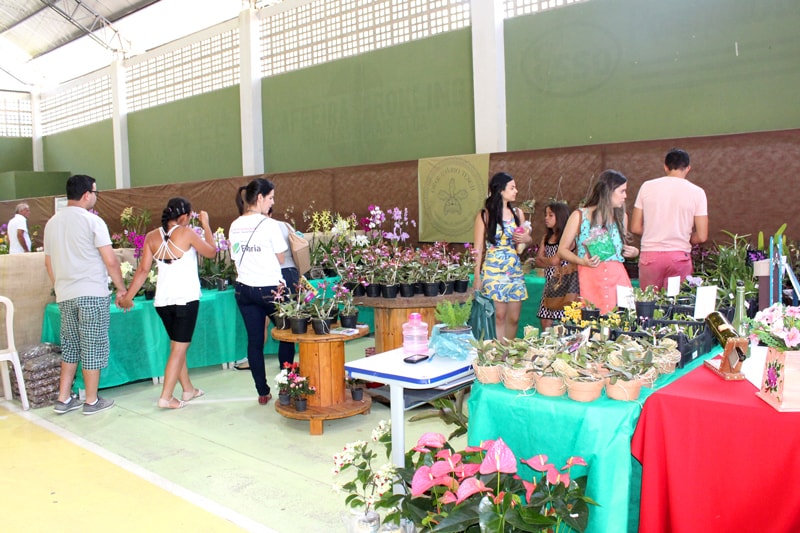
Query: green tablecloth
point(139, 345)
point(599, 431)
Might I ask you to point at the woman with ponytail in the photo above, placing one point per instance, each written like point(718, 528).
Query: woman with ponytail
point(175, 246)
point(257, 249)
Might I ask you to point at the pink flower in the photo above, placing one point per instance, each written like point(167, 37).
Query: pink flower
point(554, 476)
point(432, 440)
point(530, 486)
point(537, 462)
point(448, 497)
point(793, 312)
point(424, 479)
point(499, 458)
point(792, 338)
point(469, 487)
point(574, 460)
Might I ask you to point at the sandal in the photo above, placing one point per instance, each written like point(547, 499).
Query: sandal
point(196, 393)
point(167, 404)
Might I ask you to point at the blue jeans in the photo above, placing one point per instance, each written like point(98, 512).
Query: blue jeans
point(255, 305)
point(286, 349)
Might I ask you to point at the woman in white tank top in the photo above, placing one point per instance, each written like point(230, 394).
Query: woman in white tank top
point(174, 247)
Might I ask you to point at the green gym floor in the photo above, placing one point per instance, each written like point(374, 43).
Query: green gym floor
point(222, 463)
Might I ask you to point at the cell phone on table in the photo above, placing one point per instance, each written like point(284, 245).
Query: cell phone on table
point(416, 358)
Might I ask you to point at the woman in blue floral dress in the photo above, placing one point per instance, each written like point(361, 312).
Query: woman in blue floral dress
point(498, 270)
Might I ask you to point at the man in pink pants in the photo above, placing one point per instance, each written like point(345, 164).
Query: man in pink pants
point(671, 214)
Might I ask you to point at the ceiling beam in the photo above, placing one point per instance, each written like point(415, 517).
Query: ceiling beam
point(98, 28)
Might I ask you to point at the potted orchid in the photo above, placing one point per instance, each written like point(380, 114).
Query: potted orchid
point(300, 389)
point(283, 379)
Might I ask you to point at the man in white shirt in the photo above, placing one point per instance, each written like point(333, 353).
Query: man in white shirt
point(671, 214)
point(19, 240)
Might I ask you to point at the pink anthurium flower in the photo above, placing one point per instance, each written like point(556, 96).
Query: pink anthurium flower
point(441, 468)
point(530, 486)
point(554, 476)
point(469, 487)
point(448, 497)
point(574, 461)
point(422, 481)
point(499, 458)
point(444, 453)
point(432, 440)
point(537, 462)
point(465, 470)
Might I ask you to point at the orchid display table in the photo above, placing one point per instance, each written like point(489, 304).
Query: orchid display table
point(392, 313)
point(322, 362)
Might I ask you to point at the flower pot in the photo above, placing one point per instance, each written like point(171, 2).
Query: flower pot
point(357, 394)
point(321, 326)
point(299, 324)
point(590, 314)
point(149, 294)
point(357, 521)
point(446, 287)
point(430, 288)
point(649, 378)
point(390, 291)
point(461, 285)
point(645, 309)
point(281, 322)
point(779, 380)
point(418, 288)
point(585, 391)
point(300, 404)
point(222, 284)
point(284, 398)
point(550, 385)
point(624, 390)
point(348, 321)
point(373, 290)
point(487, 374)
point(407, 290)
point(517, 378)
point(359, 290)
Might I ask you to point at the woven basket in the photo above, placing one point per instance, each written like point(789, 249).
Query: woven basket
point(487, 374)
point(517, 378)
point(550, 385)
point(649, 378)
point(624, 390)
point(585, 391)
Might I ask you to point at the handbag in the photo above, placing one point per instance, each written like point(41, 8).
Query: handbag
point(301, 250)
point(481, 318)
point(562, 276)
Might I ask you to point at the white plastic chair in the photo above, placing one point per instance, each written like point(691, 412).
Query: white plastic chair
point(10, 354)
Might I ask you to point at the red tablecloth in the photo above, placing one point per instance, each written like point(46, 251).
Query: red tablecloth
point(716, 458)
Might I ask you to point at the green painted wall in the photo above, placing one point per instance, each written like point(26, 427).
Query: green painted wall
point(620, 70)
point(20, 185)
point(196, 138)
point(403, 102)
point(16, 153)
point(86, 150)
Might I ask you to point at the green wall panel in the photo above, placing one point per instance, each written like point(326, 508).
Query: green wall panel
point(85, 150)
point(196, 138)
point(16, 153)
point(619, 70)
point(29, 184)
point(403, 102)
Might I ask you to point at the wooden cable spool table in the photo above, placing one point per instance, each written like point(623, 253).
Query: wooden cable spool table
point(322, 362)
point(392, 313)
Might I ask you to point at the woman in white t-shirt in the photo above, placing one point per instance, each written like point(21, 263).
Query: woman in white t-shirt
point(257, 249)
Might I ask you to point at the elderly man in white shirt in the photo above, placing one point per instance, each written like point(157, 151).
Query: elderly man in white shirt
point(19, 240)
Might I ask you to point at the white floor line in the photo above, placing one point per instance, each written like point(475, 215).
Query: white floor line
point(191, 497)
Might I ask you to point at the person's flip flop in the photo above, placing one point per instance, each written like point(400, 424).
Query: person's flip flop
point(242, 366)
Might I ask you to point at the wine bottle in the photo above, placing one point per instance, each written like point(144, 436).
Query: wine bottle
point(723, 331)
point(739, 312)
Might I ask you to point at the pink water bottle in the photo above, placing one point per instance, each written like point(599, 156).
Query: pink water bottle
point(415, 335)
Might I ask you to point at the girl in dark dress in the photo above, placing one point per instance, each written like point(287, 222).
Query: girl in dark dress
point(557, 284)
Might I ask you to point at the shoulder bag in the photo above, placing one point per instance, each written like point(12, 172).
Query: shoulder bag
point(301, 250)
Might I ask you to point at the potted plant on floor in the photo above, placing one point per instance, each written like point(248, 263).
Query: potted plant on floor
point(299, 390)
point(356, 387)
point(283, 380)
